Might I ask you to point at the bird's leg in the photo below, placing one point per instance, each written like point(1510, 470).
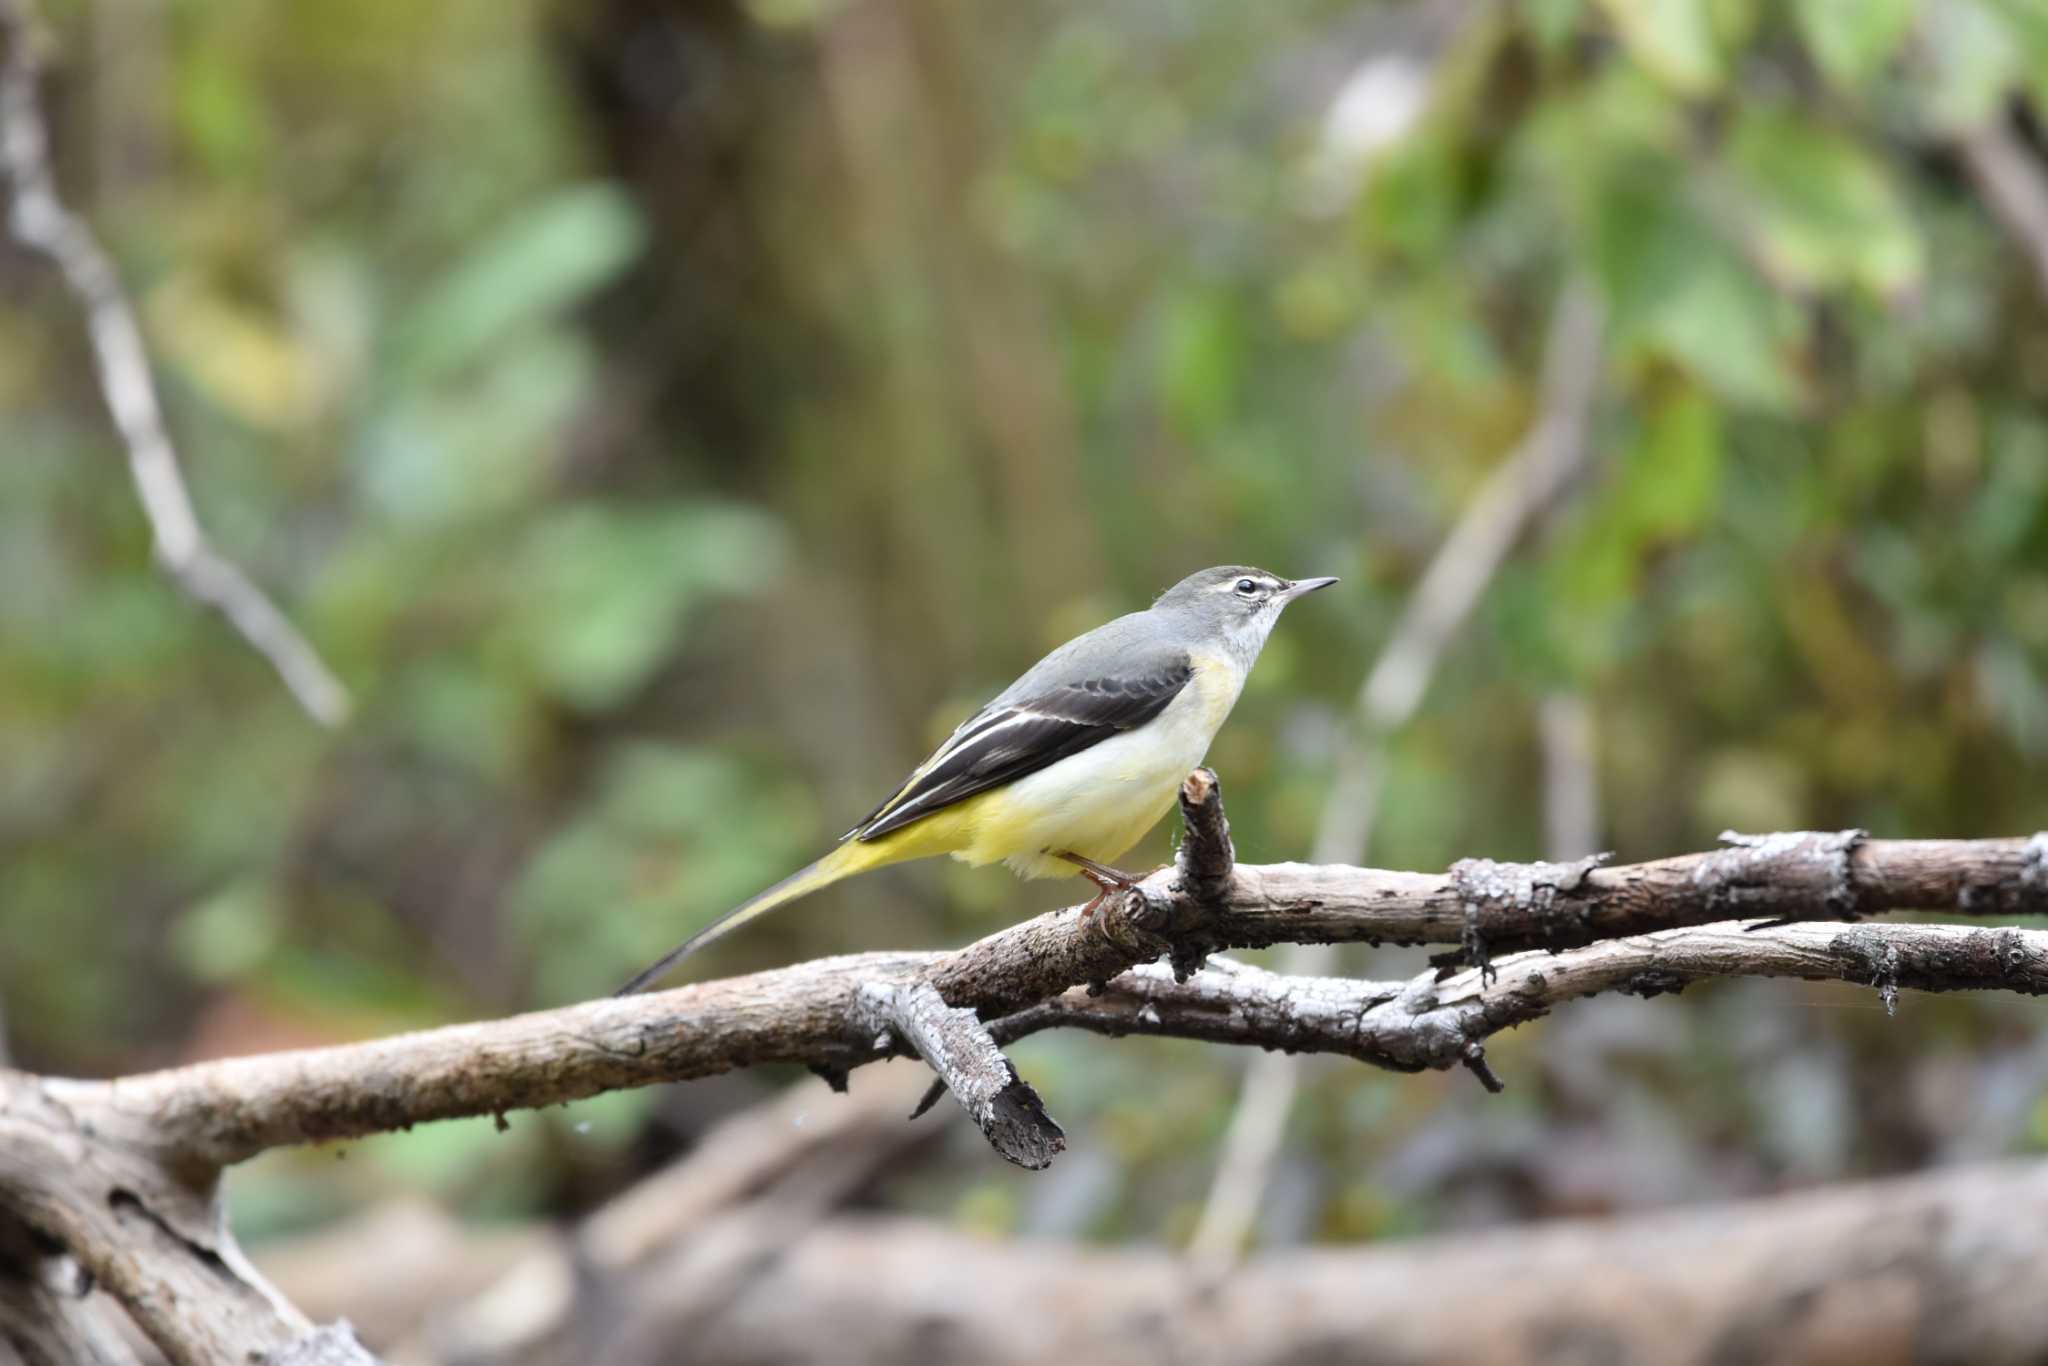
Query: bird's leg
point(1105, 878)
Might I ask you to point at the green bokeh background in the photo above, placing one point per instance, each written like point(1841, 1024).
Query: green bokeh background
point(670, 418)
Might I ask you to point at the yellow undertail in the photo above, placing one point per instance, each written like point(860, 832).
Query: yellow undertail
point(854, 856)
point(984, 828)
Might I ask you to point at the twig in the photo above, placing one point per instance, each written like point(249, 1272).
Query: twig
point(957, 1046)
point(1203, 867)
point(1427, 1023)
point(1549, 457)
point(2013, 185)
point(1206, 857)
point(1571, 776)
point(40, 221)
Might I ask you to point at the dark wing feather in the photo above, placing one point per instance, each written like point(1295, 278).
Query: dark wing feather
point(1011, 740)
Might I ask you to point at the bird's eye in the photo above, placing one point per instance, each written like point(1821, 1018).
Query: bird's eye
point(1247, 587)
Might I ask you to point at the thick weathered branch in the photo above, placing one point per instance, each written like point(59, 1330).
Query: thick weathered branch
point(122, 1175)
point(814, 1013)
point(1796, 875)
point(149, 1231)
point(47, 1315)
point(40, 221)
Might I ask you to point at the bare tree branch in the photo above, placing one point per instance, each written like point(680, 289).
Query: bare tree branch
point(40, 221)
point(123, 1175)
point(148, 1228)
point(1430, 1022)
point(821, 1013)
point(1554, 452)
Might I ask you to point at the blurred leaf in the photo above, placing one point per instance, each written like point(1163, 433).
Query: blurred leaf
point(792, 13)
point(537, 265)
point(1852, 40)
point(1201, 356)
point(220, 112)
point(652, 858)
point(1825, 211)
point(1412, 197)
point(2013, 502)
point(612, 1119)
point(2016, 695)
point(1733, 332)
point(1672, 281)
point(1673, 39)
point(243, 358)
point(457, 451)
point(599, 594)
point(1553, 23)
point(464, 1159)
point(226, 935)
point(464, 714)
point(1977, 59)
point(1667, 486)
point(1751, 789)
point(1672, 480)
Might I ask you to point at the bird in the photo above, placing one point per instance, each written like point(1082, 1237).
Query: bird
point(1068, 767)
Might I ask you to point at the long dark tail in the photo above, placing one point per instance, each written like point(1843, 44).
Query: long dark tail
point(849, 858)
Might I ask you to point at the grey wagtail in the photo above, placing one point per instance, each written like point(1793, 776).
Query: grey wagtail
point(1070, 765)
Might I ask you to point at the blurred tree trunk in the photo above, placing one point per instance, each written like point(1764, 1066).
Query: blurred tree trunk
point(819, 325)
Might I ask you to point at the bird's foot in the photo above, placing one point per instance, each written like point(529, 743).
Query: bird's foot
point(1105, 878)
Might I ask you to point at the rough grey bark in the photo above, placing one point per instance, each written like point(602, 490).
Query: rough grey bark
point(1436, 1021)
point(47, 1315)
point(970, 1063)
point(122, 1175)
point(821, 1013)
point(145, 1223)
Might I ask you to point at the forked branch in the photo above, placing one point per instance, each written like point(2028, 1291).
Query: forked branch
point(121, 1176)
point(39, 219)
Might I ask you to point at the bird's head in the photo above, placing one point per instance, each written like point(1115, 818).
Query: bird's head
point(1234, 604)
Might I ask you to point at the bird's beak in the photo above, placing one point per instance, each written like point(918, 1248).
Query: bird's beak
point(1301, 588)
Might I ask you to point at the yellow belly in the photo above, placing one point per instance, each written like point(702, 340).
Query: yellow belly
point(1097, 803)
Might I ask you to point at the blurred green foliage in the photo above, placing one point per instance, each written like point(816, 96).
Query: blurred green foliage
point(670, 417)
